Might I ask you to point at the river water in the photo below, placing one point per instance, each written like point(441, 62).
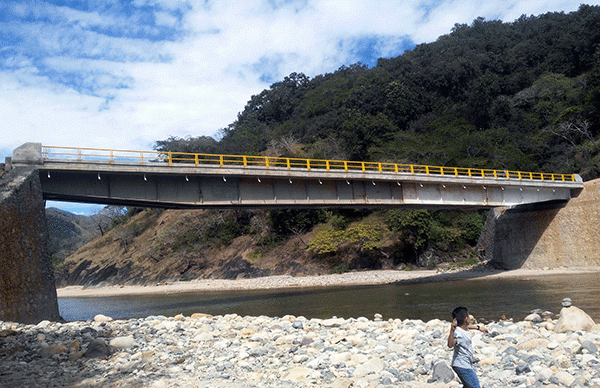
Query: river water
point(487, 299)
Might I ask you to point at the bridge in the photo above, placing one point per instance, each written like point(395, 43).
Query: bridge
point(186, 180)
point(553, 229)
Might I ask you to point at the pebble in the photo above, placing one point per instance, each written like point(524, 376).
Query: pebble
point(234, 351)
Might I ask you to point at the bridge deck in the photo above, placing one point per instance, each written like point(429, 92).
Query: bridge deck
point(150, 178)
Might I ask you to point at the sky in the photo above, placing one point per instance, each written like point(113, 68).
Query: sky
point(123, 74)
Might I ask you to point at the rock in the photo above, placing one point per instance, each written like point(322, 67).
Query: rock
point(49, 351)
point(535, 318)
point(521, 369)
point(442, 372)
point(373, 366)
point(565, 378)
point(573, 319)
point(298, 374)
point(589, 346)
point(102, 318)
point(566, 302)
point(333, 322)
point(533, 344)
point(97, 349)
point(122, 342)
point(200, 315)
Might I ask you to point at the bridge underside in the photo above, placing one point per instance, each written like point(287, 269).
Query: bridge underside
point(223, 188)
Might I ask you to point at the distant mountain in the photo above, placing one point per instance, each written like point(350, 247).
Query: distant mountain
point(68, 231)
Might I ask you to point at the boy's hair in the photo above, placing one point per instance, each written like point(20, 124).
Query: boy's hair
point(460, 314)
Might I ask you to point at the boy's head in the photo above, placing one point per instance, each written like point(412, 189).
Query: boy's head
point(460, 314)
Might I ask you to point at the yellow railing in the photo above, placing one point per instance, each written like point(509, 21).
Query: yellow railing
point(147, 157)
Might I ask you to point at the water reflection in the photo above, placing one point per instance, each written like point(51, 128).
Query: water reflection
point(488, 299)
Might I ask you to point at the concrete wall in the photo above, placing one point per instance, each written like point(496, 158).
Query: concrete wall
point(27, 291)
point(536, 236)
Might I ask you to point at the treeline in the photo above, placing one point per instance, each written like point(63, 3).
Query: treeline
point(521, 96)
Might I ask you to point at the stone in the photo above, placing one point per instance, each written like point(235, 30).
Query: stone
point(589, 346)
point(533, 344)
point(200, 316)
point(566, 302)
point(372, 366)
point(573, 319)
point(122, 342)
point(102, 318)
point(298, 374)
point(442, 372)
point(521, 369)
point(535, 318)
point(565, 378)
point(97, 349)
point(333, 322)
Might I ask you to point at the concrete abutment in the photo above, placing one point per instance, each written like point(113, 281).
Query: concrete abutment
point(546, 235)
point(27, 289)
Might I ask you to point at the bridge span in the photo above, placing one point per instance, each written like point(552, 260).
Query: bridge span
point(184, 180)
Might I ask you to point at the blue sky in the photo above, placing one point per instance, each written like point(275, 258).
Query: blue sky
point(125, 73)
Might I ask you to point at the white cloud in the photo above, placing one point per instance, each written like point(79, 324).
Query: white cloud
point(104, 78)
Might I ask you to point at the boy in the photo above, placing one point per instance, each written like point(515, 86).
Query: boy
point(460, 340)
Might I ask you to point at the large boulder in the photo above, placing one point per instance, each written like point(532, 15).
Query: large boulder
point(573, 319)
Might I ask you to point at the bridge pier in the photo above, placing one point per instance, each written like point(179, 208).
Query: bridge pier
point(27, 289)
point(545, 235)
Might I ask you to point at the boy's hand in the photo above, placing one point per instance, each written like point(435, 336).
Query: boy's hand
point(453, 324)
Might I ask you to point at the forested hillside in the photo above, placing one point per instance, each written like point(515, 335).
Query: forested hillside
point(521, 96)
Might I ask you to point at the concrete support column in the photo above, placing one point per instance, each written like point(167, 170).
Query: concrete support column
point(545, 235)
point(27, 290)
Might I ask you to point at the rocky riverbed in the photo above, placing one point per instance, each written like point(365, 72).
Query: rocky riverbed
point(234, 351)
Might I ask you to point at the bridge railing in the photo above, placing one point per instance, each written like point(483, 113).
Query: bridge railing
point(111, 156)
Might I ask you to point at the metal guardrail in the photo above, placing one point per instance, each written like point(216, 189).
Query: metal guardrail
point(80, 154)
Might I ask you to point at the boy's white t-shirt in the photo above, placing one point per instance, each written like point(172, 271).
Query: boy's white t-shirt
point(463, 350)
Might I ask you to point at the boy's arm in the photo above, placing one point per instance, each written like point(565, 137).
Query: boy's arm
point(451, 338)
point(478, 327)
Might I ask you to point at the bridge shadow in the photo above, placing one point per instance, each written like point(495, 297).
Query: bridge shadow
point(518, 237)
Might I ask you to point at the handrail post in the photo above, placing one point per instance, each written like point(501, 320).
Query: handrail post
point(287, 161)
point(245, 160)
point(345, 165)
point(412, 169)
point(469, 172)
point(308, 164)
point(141, 157)
point(111, 158)
point(455, 171)
point(380, 170)
point(170, 156)
point(267, 162)
point(220, 160)
point(196, 159)
point(363, 166)
point(327, 164)
point(427, 170)
point(396, 168)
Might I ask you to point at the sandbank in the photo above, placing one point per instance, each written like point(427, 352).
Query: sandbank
point(359, 278)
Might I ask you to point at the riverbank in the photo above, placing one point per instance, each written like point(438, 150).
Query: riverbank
point(232, 351)
point(288, 282)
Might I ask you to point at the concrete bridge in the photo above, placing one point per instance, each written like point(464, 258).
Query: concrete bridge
point(181, 180)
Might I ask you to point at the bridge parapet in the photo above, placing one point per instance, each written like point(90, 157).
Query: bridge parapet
point(155, 179)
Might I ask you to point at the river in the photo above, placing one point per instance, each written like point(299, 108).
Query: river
point(487, 299)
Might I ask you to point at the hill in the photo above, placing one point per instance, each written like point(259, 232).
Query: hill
point(67, 232)
point(523, 95)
